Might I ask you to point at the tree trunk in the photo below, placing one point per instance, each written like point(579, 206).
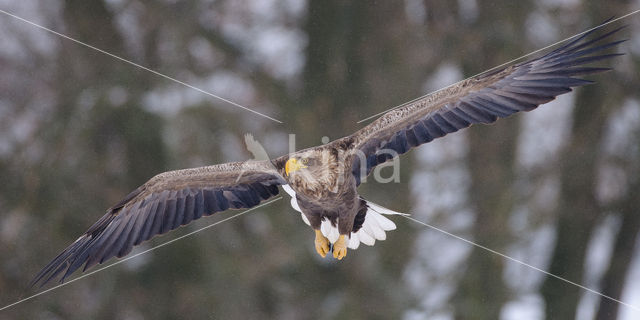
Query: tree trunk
point(614, 279)
point(481, 292)
point(578, 209)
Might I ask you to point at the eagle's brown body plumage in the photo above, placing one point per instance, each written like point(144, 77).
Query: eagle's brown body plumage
point(324, 180)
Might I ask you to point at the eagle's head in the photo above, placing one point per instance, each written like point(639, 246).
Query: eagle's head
point(294, 164)
point(314, 172)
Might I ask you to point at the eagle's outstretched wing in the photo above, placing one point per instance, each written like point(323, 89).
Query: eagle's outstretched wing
point(164, 203)
point(482, 99)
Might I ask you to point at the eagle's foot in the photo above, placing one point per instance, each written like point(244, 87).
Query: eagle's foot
point(322, 244)
point(340, 248)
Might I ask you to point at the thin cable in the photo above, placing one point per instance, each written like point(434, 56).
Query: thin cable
point(139, 66)
point(502, 65)
point(140, 253)
point(523, 263)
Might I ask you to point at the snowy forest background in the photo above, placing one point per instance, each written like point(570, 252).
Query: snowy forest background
point(557, 188)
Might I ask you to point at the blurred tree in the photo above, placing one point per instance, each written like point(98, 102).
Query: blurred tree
point(491, 162)
point(579, 210)
point(346, 69)
point(80, 129)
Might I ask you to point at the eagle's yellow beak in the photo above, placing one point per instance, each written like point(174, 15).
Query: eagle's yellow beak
point(293, 165)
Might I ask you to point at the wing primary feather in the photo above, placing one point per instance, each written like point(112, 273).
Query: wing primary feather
point(158, 215)
point(252, 197)
point(490, 106)
point(198, 203)
point(538, 91)
point(590, 42)
point(432, 128)
point(223, 203)
point(456, 120)
point(576, 71)
point(511, 103)
point(119, 247)
point(210, 203)
point(261, 190)
point(148, 212)
point(575, 62)
point(525, 97)
point(400, 142)
point(273, 189)
point(421, 133)
point(169, 214)
point(179, 217)
point(163, 203)
point(189, 204)
point(133, 231)
point(444, 123)
point(481, 114)
point(569, 47)
point(170, 211)
point(138, 224)
point(555, 82)
point(412, 140)
point(92, 252)
point(112, 237)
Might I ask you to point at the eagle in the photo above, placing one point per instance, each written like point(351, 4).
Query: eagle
point(323, 181)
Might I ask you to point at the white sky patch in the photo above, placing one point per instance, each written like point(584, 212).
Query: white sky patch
point(118, 96)
point(415, 11)
point(203, 52)
point(622, 128)
point(541, 31)
point(276, 143)
point(235, 149)
point(533, 248)
point(446, 75)
point(620, 142)
point(127, 21)
point(262, 32)
point(133, 265)
point(280, 50)
point(596, 262)
point(544, 132)
point(634, 42)
point(441, 179)
point(631, 291)
point(612, 183)
point(294, 7)
point(560, 3)
point(468, 10)
point(527, 307)
point(438, 185)
point(12, 29)
point(168, 101)
point(546, 194)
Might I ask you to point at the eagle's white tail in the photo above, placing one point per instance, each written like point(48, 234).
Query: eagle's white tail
point(373, 228)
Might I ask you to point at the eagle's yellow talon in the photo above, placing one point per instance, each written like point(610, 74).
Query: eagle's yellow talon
point(322, 244)
point(340, 248)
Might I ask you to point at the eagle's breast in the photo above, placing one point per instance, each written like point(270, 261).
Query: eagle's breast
point(325, 177)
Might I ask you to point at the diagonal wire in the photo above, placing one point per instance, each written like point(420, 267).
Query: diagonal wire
point(499, 66)
point(523, 263)
point(139, 66)
point(139, 253)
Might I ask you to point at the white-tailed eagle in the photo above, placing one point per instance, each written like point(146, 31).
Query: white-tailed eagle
point(323, 180)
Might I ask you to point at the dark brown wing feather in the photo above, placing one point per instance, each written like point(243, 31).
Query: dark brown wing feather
point(164, 203)
point(482, 99)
